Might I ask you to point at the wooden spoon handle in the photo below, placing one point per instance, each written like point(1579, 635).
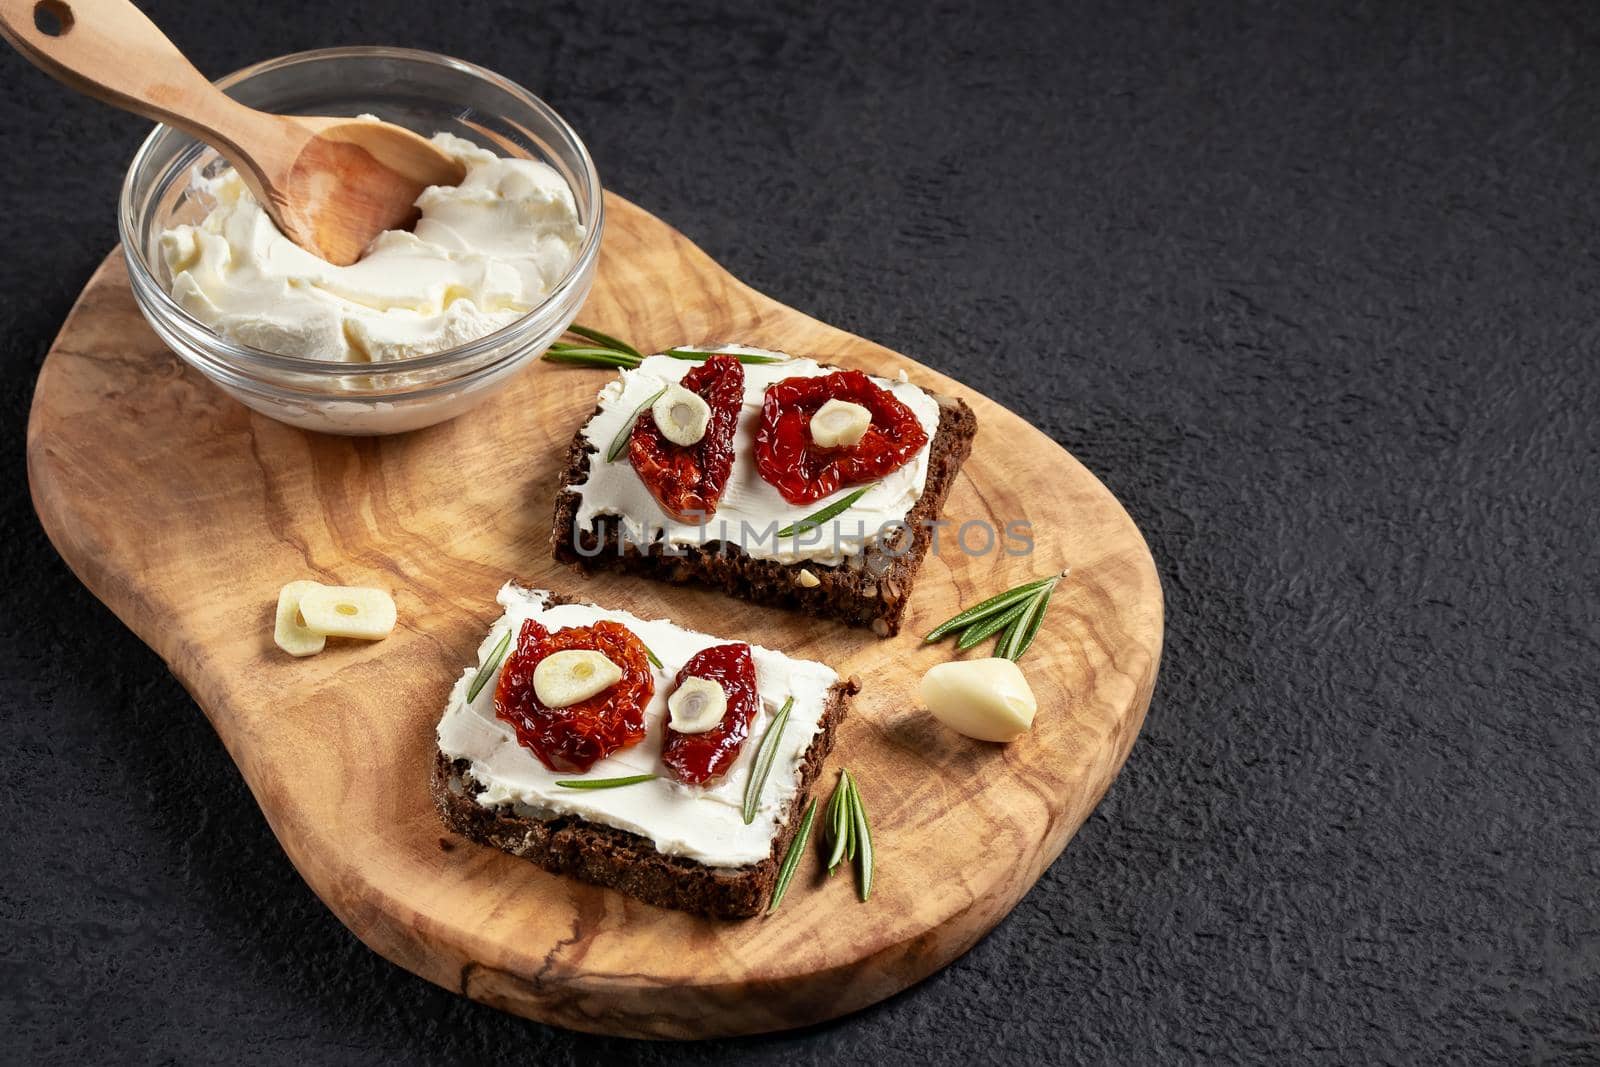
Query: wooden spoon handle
point(109, 50)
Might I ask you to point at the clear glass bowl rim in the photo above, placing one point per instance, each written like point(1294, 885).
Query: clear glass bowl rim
point(246, 356)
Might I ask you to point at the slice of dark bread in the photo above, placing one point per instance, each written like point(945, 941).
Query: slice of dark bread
point(625, 861)
point(869, 589)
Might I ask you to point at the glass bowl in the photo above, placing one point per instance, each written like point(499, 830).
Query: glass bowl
point(423, 92)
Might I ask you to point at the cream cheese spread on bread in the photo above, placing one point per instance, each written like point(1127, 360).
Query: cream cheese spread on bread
point(751, 511)
point(705, 824)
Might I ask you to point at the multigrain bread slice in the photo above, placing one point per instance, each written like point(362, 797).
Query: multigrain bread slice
point(870, 589)
point(625, 861)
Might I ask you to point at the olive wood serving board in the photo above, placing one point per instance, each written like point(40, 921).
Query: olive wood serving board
point(185, 512)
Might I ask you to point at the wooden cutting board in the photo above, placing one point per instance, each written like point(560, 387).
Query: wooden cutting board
point(185, 512)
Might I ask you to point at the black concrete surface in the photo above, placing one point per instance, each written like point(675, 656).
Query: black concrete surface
point(1313, 290)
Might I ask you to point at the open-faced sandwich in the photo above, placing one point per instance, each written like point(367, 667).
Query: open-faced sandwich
point(783, 481)
point(635, 754)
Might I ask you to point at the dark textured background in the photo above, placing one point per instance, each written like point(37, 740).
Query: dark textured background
point(1313, 292)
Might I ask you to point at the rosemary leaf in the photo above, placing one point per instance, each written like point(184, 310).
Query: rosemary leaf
point(863, 833)
point(697, 356)
point(850, 842)
point(966, 618)
point(605, 340)
point(1026, 624)
point(651, 656)
point(838, 825)
point(983, 628)
point(791, 859)
point(620, 442)
point(811, 522)
point(1025, 634)
point(605, 783)
point(591, 357)
point(762, 765)
point(486, 671)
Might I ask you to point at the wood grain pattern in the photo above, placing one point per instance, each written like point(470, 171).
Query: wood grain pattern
point(185, 512)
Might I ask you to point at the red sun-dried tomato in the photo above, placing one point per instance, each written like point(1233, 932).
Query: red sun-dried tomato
point(687, 480)
point(697, 758)
point(575, 738)
point(803, 471)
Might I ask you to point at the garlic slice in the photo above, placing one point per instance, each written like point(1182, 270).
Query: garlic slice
point(573, 675)
point(839, 424)
point(348, 611)
point(289, 632)
point(988, 699)
point(697, 706)
point(681, 415)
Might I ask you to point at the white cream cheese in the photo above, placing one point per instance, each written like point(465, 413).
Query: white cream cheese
point(751, 511)
point(484, 253)
point(701, 823)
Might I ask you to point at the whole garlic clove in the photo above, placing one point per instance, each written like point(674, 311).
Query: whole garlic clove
point(839, 424)
point(290, 632)
point(697, 706)
point(573, 675)
point(681, 415)
point(987, 699)
point(348, 611)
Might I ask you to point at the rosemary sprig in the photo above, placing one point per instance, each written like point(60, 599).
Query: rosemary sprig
point(861, 833)
point(811, 522)
point(979, 630)
point(965, 618)
point(839, 824)
point(747, 358)
point(591, 357)
point(1020, 634)
point(603, 350)
point(849, 832)
point(651, 656)
point(1015, 615)
point(762, 765)
point(791, 859)
point(605, 783)
point(604, 340)
point(486, 671)
point(620, 442)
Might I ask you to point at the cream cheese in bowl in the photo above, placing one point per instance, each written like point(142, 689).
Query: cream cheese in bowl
point(482, 255)
point(431, 321)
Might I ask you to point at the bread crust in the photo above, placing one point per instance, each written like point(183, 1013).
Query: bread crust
point(870, 589)
point(627, 862)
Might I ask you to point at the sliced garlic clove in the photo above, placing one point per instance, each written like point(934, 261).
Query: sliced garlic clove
point(839, 424)
point(681, 415)
point(697, 706)
point(573, 675)
point(289, 632)
point(806, 579)
point(348, 611)
point(988, 699)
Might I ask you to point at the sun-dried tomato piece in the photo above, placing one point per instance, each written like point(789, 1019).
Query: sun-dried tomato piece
point(575, 738)
point(687, 480)
point(697, 758)
point(803, 471)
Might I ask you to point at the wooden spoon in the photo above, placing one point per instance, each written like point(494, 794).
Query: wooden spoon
point(331, 184)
